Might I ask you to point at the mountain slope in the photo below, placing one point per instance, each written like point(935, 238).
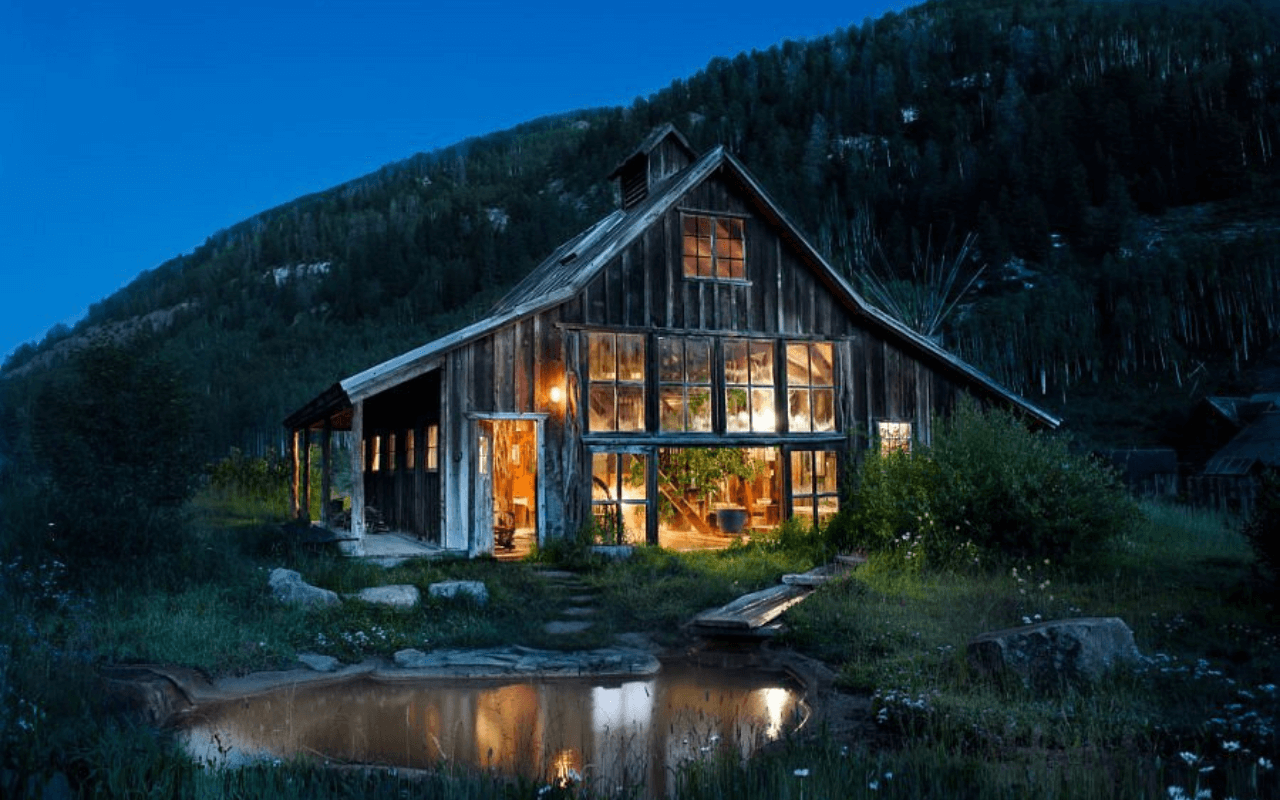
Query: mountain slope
point(1075, 139)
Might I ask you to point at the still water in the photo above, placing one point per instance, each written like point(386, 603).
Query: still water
point(610, 734)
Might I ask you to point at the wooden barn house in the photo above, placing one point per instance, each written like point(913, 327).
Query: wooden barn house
point(686, 370)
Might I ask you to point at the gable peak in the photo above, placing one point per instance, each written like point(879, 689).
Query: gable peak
point(663, 153)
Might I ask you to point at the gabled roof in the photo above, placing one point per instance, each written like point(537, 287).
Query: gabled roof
point(651, 141)
point(571, 267)
point(1256, 445)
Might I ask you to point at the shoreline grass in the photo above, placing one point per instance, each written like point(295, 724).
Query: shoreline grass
point(1200, 718)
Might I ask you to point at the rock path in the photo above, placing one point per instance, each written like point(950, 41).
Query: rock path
point(577, 606)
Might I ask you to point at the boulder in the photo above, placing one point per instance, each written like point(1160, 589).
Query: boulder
point(318, 662)
point(1048, 655)
point(401, 595)
point(474, 590)
point(289, 587)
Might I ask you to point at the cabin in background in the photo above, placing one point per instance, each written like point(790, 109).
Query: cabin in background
point(687, 370)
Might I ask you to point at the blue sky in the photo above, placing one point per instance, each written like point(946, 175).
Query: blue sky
point(131, 131)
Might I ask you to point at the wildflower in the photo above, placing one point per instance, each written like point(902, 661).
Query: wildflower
point(1177, 793)
point(1026, 620)
point(888, 776)
point(874, 786)
point(1206, 770)
point(802, 772)
point(1265, 762)
point(1204, 794)
point(1188, 758)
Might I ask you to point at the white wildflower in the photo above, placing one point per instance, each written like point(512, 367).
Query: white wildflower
point(801, 772)
point(1190, 759)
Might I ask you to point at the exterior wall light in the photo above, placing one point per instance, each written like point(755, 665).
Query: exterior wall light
point(556, 394)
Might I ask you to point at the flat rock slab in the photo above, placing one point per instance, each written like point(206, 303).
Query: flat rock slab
point(474, 590)
point(579, 611)
point(401, 595)
point(289, 587)
point(555, 574)
point(561, 628)
point(318, 663)
point(1050, 654)
point(524, 661)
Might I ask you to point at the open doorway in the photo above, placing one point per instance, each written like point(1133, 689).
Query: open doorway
point(513, 445)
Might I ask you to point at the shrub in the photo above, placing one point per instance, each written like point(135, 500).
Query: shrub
point(1260, 529)
point(113, 443)
point(988, 486)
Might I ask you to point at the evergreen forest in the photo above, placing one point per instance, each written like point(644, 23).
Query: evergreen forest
point(1101, 176)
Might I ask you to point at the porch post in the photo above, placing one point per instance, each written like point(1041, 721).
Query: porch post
point(293, 474)
point(326, 470)
point(306, 474)
point(356, 548)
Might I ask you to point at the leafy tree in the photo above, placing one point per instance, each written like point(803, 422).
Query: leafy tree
point(113, 439)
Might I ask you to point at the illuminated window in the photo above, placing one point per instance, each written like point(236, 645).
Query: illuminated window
point(391, 452)
point(748, 386)
point(714, 247)
point(811, 392)
point(684, 379)
point(617, 381)
point(375, 453)
point(433, 448)
point(895, 437)
point(814, 491)
point(410, 453)
point(619, 502)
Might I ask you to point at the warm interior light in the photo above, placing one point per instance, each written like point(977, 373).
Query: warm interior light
point(556, 394)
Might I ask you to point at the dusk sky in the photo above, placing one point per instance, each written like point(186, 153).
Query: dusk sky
point(131, 131)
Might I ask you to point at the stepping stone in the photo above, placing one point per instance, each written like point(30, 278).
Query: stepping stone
point(578, 611)
point(566, 627)
point(402, 595)
point(583, 598)
point(555, 574)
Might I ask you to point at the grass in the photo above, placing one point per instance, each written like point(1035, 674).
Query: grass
point(1198, 718)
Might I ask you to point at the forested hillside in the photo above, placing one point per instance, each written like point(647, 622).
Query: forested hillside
point(1110, 166)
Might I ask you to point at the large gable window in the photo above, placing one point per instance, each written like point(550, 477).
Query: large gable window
point(748, 387)
point(714, 247)
point(616, 372)
point(684, 378)
point(810, 387)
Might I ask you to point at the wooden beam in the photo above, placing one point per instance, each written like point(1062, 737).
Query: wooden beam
point(293, 474)
point(306, 475)
point(357, 475)
point(326, 471)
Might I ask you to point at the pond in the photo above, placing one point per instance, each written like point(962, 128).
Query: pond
point(605, 733)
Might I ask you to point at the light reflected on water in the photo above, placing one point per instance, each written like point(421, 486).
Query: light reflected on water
point(606, 734)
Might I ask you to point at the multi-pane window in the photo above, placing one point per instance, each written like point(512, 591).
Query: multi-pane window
point(619, 502)
point(684, 384)
point(810, 387)
point(433, 448)
point(895, 437)
point(616, 372)
point(410, 451)
point(391, 452)
point(814, 492)
point(748, 386)
point(375, 453)
point(714, 247)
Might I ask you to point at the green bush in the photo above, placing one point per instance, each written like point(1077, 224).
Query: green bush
point(115, 454)
point(988, 487)
point(1262, 529)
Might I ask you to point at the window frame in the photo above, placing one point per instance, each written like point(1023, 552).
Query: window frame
point(813, 498)
point(615, 383)
point(685, 384)
point(809, 389)
point(899, 440)
point(618, 503)
point(713, 239)
point(751, 386)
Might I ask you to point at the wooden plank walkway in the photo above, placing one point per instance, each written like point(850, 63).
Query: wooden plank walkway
point(755, 614)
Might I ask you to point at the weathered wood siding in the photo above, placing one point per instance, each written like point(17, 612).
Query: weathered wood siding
point(512, 369)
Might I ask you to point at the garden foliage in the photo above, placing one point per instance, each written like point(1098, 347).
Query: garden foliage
point(1262, 529)
point(987, 487)
point(115, 460)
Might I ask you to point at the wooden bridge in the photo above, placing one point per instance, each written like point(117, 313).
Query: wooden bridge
point(755, 615)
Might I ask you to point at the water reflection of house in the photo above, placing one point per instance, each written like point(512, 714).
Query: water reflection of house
point(687, 368)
